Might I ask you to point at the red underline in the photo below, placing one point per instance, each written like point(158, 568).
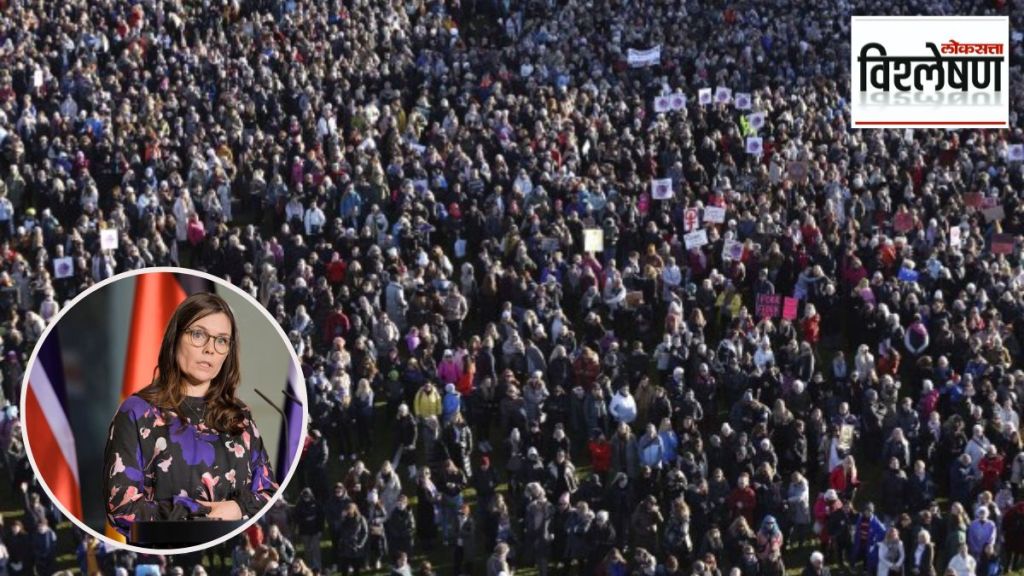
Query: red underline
point(999, 123)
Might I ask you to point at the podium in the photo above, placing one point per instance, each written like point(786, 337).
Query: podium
point(180, 533)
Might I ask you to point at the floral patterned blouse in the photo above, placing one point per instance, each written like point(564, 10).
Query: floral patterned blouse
point(158, 465)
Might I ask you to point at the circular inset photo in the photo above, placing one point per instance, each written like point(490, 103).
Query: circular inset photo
point(164, 411)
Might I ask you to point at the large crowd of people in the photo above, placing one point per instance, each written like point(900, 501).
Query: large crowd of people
point(514, 361)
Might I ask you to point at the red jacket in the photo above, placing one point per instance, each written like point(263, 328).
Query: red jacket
point(837, 481)
point(742, 501)
point(600, 455)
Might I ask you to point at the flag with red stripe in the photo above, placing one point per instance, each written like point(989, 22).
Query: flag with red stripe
point(48, 429)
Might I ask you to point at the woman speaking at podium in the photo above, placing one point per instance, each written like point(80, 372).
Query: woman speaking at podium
point(185, 446)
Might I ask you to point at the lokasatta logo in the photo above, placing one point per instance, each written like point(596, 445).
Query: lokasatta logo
point(929, 72)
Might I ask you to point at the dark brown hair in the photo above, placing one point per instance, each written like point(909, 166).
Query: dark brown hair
point(225, 412)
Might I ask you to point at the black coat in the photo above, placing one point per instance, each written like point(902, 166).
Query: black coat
point(352, 536)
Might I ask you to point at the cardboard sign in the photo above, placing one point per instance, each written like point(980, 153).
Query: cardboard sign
point(743, 101)
point(908, 275)
point(1002, 244)
point(732, 250)
point(661, 189)
point(756, 120)
point(789, 306)
point(690, 219)
point(903, 222)
point(1015, 153)
point(714, 214)
point(108, 239)
point(63, 267)
point(593, 240)
point(662, 104)
point(768, 305)
point(973, 199)
point(754, 144)
point(797, 171)
point(641, 58)
point(723, 95)
point(695, 239)
point(704, 96)
point(677, 101)
point(993, 213)
point(955, 240)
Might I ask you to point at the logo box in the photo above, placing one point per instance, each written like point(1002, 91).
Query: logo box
point(930, 72)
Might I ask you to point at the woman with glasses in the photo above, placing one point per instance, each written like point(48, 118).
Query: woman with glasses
point(185, 446)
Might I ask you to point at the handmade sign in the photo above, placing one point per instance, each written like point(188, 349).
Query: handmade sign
point(714, 214)
point(796, 171)
point(695, 239)
point(955, 240)
point(789, 307)
point(768, 305)
point(732, 250)
point(593, 240)
point(973, 199)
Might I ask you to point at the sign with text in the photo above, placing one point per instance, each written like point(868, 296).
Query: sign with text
point(714, 214)
point(789, 307)
point(593, 240)
point(769, 305)
point(695, 239)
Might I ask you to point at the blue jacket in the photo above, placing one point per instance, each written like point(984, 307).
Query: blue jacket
point(450, 404)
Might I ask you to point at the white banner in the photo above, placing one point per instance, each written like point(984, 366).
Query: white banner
point(641, 58)
point(696, 239)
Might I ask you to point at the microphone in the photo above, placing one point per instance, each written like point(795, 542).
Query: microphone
point(292, 397)
point(275, 407)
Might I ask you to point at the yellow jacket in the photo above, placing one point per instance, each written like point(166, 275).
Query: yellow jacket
point(427, 404)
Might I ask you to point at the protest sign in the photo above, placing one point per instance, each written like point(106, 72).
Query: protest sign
point(796, 171)
point(714, 214)
point(993, 213)
point(955, 240)
point(704, 96)
point(754, 146)
point(756, 120)
point(723, 95)
point(63, 267)
point(743, 101)
point(690, 219)
point(108, 239)
point(789, 307)
point(768, 305)
point(593, 240)
point(732, 250)
point(641, 58)
point(1015, 153)
point(661, 189)
point(662, 104)
point(1002, 244)
point(695, 239)
point(677, 101)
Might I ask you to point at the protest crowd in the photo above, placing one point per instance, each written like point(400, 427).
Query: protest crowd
point(554, 314)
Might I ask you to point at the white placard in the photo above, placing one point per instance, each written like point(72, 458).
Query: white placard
point(108, 239)
point(955, 240)
point(63, 267)
point(704, 96)
point(662, 104)
point(593, 240)
point(756, 120)
point(695, 239)
point(661, 189)
point(641, 58)
point(723, 95)
point(37, 78)
point(714, 214)
point(754, 146)
point(677, 101)
point(691, 219)
point(1015, 153)
point(732, 250)
point(743, 101)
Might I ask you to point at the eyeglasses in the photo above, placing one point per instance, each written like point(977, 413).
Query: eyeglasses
point(199, 338)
